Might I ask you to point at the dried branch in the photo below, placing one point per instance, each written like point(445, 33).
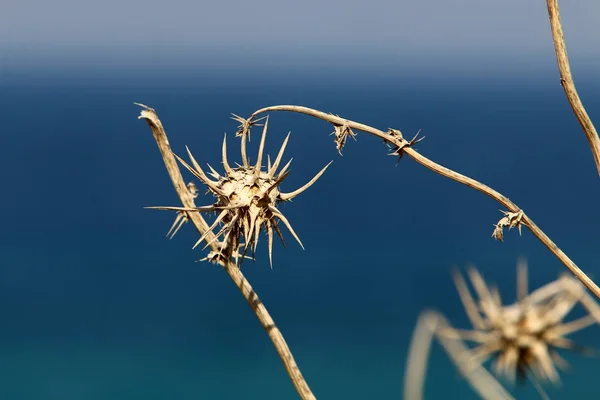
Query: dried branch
point(187, 199)
point(429, 326)
point(516, 216)
point(566, 80)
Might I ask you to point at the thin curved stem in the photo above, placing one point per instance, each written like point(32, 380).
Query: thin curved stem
point(566, 80)
point(232, 270)
point(404, 145)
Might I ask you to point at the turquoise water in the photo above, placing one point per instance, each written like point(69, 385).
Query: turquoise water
point(97, 304)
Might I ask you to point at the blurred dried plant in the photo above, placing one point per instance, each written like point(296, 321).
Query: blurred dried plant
point(524, 337)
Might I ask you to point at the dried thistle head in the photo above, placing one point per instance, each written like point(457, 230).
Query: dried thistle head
point(524, 337)
point(246, 199)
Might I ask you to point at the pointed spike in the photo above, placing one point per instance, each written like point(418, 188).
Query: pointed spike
point(510, 369)
point(213, 226)
point(279, 234)
point(199, 209)
point(237, 118)
point(180, 219)
point(489, 307)
point(282, 217)
point(223, 230)
point(545, 362)
point(280, 179)
point(252, 221)
point(560, 362)
point(479, 284)
point(275, 165)
point(229, 207)
point(289, 196)
point(214, 173)
point(208, 243)
point(243, 255)
point(285, 167)
point(195, 163)
point(169, 208)
point(181, 223)
point(226, 166)
point(234, 239)
point(199, 174)
point(574, 326)
point(467, 300)
point(261, 148)
point(177, 218)
point(246, 230)
point(256, 227)
point(268, 163)
point(496, 298)
point(270, 236)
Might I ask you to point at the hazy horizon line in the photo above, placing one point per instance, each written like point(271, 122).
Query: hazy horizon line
point(527, 72)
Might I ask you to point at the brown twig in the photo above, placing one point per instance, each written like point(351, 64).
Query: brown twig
point(231, 268)
point(515, 218)
point(566, 80)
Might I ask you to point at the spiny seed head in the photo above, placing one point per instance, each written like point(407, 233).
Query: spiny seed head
point(246, 199)
point(524, 338)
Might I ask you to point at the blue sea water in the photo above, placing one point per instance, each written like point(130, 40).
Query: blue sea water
point(96, 303)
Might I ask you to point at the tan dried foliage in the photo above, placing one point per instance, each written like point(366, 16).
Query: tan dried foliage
point(247, 199)
point(523, 338)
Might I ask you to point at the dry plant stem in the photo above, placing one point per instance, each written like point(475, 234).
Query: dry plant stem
point(429, 326)
point(566, 80)
point(448, 173)
point(232, 270)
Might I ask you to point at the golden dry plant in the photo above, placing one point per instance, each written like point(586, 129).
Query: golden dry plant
point(247, 197)
point(513, 216)
point(523, 338)
point(246, 203)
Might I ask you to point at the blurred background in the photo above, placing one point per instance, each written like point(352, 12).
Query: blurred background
point(95, 301)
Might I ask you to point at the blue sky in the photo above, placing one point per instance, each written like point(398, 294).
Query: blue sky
point(403, 32)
